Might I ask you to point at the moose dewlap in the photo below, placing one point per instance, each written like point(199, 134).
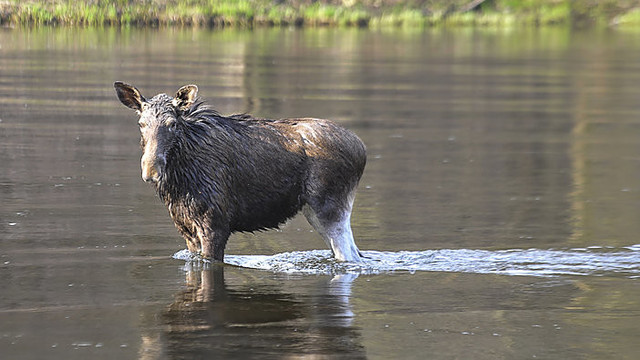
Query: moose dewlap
point(222, 174)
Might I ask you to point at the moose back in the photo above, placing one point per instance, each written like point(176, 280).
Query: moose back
point(222, 174)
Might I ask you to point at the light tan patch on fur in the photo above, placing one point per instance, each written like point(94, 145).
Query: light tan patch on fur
point(306, 136)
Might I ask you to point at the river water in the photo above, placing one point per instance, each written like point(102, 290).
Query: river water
point(499, 209)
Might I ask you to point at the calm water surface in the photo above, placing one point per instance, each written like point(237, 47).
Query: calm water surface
point(500, 206)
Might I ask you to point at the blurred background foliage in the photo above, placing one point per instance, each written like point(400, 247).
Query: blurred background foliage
point(362, 13)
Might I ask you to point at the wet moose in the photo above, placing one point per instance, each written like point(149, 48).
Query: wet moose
point(222, 174)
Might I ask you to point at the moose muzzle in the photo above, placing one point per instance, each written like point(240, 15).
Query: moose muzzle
point(152, 168)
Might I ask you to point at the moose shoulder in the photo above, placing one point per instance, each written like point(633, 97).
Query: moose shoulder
point(222, 174)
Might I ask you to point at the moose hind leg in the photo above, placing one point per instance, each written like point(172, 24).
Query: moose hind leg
point(334, 225)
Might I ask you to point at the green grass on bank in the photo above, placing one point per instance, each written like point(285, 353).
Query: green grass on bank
point(362, 13)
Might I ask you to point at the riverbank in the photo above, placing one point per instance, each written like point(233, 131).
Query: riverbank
point(361, 13)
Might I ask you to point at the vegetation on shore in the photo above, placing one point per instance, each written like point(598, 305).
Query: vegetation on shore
point(362, 13)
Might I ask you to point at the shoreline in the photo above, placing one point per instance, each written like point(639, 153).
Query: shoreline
point(356, 13)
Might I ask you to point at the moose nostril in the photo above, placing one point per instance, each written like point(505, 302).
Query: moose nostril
point(148, 175)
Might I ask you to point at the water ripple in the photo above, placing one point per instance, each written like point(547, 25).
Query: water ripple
point(595, 261)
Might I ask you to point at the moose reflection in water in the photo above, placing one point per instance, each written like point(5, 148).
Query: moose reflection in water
point(220, 317)
point(221, 174)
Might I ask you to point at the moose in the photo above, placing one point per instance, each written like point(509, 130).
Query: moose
point(223, 174)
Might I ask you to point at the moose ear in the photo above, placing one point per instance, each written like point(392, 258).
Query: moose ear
point(129, 96)
point(185, 97)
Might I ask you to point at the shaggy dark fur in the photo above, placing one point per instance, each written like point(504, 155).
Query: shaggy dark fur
point(221, 174)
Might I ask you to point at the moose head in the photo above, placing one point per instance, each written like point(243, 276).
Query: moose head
point(159, 118)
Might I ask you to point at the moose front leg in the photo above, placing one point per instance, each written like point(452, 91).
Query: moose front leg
point(193, 245)
point(213, 242)
point(189, 234)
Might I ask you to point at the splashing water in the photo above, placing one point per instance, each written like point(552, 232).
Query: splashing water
point(595, 260)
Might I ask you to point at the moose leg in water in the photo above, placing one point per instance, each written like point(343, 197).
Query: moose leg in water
point(335, 228)
point(213, 242)
point(222, 174)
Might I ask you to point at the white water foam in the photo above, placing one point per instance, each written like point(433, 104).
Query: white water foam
point(595, 261)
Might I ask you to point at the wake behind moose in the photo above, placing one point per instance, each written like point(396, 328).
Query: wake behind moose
point(223, 174)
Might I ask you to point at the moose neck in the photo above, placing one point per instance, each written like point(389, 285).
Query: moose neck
point(195, 163)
